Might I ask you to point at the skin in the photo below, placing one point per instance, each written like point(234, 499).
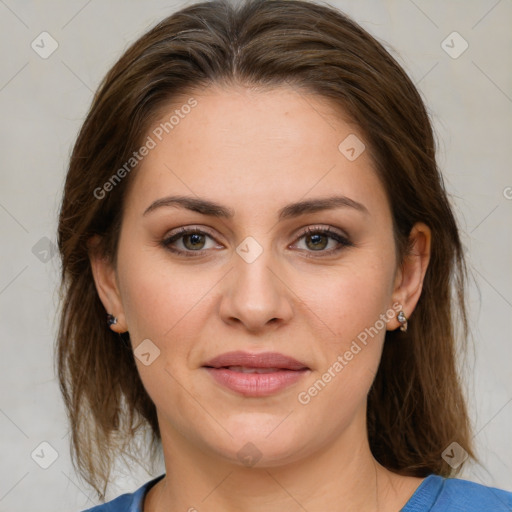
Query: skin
point(255, 152)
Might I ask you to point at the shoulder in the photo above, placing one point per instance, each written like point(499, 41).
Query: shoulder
point(129, 502)
point(438, 494)
point(470, 496)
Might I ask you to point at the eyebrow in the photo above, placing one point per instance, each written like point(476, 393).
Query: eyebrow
point(210, 208)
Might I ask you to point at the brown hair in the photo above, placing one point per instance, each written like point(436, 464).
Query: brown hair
point(416, 406)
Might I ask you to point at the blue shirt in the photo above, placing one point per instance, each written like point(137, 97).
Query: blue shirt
point(435, 494)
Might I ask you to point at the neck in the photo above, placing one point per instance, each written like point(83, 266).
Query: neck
point(343, 476)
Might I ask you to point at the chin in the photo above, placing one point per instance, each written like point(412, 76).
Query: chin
point(261, 440)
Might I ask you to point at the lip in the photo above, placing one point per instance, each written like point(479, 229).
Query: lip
point(256, 360)
point(288, 371)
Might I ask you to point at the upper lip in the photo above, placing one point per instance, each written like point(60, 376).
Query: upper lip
point(260, 360)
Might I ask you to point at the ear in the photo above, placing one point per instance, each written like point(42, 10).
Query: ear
point(411, 272)
point(105, 279)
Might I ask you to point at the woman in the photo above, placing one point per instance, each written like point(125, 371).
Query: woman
point(287, 351)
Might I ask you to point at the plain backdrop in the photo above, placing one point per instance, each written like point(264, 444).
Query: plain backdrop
point(43, 102)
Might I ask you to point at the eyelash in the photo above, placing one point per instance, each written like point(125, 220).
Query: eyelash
point(342, 240)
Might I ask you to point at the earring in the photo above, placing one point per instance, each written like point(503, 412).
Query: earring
point(403, 320)
point(111, 319)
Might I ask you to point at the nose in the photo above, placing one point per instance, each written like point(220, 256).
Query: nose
point(255, 294)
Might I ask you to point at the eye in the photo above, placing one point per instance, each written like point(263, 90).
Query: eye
point(318, 239)
point(194, 242)
point(188, 242)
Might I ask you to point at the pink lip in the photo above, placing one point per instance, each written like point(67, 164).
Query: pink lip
point(256, 360)
point(288, 371)
point(256, 384)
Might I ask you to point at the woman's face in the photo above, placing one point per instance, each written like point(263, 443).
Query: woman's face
point(252, 278)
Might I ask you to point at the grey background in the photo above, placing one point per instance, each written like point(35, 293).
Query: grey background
point(44, 101)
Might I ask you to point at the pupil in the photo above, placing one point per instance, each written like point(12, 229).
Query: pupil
point(194, 238)
point(317, 238)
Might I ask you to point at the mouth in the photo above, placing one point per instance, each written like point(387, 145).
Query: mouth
point(256, 375)
point(262, 360)
point(247, 369)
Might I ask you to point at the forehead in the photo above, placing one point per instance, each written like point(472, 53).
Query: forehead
point(252, 147)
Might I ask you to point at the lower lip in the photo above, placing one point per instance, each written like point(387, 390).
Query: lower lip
point(256, 384)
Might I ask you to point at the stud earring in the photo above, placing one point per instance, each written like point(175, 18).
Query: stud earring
point(111, 319)
point(403, 321)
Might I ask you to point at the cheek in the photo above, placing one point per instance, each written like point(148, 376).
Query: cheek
point(351, 308)
point(351, 302)
point(158, 296)
point(164, 306)
point(348, 298)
